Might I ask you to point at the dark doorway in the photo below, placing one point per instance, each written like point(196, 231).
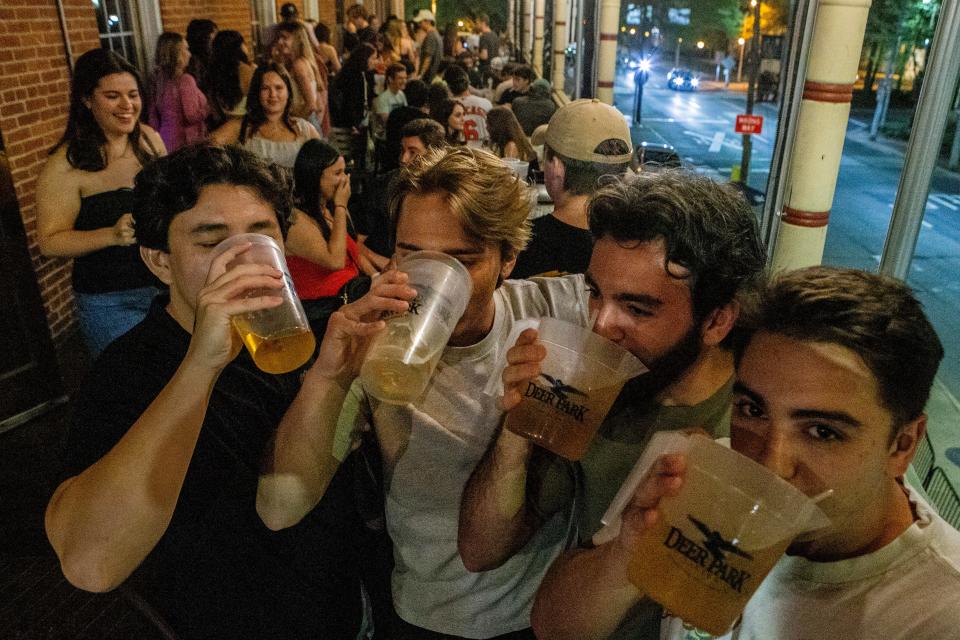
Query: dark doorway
point(29, 380)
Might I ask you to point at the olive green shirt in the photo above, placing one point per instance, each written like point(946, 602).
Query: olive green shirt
point(615, 450)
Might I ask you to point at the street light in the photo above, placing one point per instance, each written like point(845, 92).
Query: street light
point(700, 44)
point(741, 42)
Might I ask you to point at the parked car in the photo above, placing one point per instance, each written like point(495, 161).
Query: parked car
point(653, 156)
point(680, 79)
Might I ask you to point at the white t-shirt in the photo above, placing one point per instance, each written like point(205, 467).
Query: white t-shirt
point(908, 590)
point(430, 449)
point(475, 110)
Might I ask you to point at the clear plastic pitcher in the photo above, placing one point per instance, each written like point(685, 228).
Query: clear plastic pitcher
point(719, 537)
point(580, 378)
point(401, 359)
point(279, 339)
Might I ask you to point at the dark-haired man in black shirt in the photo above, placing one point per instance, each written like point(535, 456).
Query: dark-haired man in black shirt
point(171, 427)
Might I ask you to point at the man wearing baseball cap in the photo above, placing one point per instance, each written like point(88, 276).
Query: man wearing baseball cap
point(585, 140)
point(432, 48)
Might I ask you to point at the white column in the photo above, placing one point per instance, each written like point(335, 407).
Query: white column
point(607, 49)
point(538, 11)
point(821, 128)
point(561, 13)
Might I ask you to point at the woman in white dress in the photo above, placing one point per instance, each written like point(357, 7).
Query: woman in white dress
point(268, 129)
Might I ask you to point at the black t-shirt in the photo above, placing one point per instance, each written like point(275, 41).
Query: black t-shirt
point(510, 95)
point(351, 40)
point(373, 219)
point(556, 247)
point(218, 572)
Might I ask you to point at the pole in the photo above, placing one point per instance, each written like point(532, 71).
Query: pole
point(539, 7)
point(923, 147)
point(676, 54)
point(821, 125)
point(751, 88)
point(607, 49)
point(560, 15)
point(803, 19)
point(740, 63)
point(639, 79)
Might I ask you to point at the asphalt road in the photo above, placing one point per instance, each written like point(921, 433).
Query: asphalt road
point(700, 126)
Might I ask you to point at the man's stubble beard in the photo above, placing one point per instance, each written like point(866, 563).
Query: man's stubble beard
point(664, 371)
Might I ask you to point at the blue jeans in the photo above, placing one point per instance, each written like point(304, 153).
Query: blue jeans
point(104, 317)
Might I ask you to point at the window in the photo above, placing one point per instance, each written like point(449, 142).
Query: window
point(117, 24)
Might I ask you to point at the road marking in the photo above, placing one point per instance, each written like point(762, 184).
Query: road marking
point(717, 142)
point(858, 123)
point(945, 201)
point(932, 206)
point(926, 225)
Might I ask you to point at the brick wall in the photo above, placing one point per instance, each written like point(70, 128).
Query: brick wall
point(327, 13)
point(228, 14)
point(34, 94)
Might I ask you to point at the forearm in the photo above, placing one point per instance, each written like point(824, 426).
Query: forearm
point(103, 522)
point(495, 519)
point(424, 65)
point(585, 595)
point(306, 241)
point(301, 464)
point(73, 244)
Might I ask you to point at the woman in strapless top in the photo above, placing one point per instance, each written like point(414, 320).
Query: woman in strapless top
point(267, 129)
point(84, 197)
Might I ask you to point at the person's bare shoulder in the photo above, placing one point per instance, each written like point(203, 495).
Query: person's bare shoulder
point(228, 133)
point(155, 140)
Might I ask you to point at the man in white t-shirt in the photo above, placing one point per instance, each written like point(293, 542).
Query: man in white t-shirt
point(390, 98)
point(431, 446)
point(833, 373)
point(475, 107)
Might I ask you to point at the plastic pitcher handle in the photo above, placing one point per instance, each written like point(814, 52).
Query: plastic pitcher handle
point(495, 383)
point(661, 443)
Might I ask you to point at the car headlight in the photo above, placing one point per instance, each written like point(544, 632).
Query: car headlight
point(695, 82)
point(644, 64)
point(677, 81)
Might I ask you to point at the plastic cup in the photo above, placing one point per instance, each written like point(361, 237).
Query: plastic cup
point(401, 359)
point(519, 168)
point(716, 541)
point(279, 339)
point(582, 375)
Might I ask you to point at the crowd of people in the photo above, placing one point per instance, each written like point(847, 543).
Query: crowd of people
point(242, 504)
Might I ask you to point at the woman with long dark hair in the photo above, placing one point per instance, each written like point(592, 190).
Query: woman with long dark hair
point(178, 108)
point(507, 139)
point(230, 75)
point(268, 129)
point(450, 114)
point(324, 252)
point(200, 34)
point(85, 197)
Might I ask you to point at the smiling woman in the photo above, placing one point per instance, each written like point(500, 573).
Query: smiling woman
point(268, 129)
point(84, 201)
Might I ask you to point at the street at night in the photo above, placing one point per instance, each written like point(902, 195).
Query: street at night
point(700, 125)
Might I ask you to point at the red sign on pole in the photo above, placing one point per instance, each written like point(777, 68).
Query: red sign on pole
point(749, 124)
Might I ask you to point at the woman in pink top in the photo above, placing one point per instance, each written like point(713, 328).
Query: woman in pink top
point(178, 106)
